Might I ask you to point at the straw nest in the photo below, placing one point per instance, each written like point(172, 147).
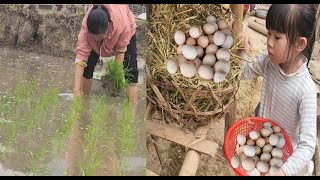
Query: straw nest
point(185, 99)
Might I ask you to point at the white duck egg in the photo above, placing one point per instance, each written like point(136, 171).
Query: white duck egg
point(219, 38)
point(208, 29)
point(250, 142)
point(254, 172)
point(191, 41)
point(179, 37)
point(263, 167)
point(270, 129)
point(218, 77)
point(249, 151)
point(189, 52)
point(227, 32)
point(256, 159)
point(235, 161)
point(267, 124)
point(181, 59)
point(228, 42)
point(265, 132)
point(258, 150)
point(280, 134)
point(222, 24)
point(210, 37)
point(276, 162)
point(179, 49)
point(273, 139)
point(200, 52)
point(276, 129)
point(265, 157)
point(172, 66)
point(242, 156)
point(267, 148)
point(241, 139)
point(223, 54)
point(188, 69)
point(205, 72)
point(281, 142)
point(277, 152)
point(254, 135)
point(260, 142)
point(197, 62)
point(273, 170)
point(195, 32)
point(241, 149)
point(211, 19)
point(209, 59)
point(211, 49)
point(248, 164)
point(203, 41)
point(222, 66)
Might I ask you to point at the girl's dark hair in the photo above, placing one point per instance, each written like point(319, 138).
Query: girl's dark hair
point(98, 20)
point(295, 20)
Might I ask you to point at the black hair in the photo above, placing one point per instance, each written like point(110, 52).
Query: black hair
point(98, 19)
point(295, 20)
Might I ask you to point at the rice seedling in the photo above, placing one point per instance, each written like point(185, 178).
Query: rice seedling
point(63, 132)
point(33, 168)
point(91, 160)
point(126, 130)
point(117, 73)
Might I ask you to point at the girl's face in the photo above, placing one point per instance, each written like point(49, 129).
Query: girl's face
point(277, 44)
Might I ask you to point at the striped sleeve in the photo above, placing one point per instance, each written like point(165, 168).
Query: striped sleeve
point(254, 69)
point(307, 138)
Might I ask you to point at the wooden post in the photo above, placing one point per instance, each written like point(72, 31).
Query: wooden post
point(237, 27)
point(237, 10)
point(192, 159)
point(230, 116)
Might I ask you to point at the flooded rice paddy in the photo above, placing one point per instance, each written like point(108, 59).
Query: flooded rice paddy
point(45, 130)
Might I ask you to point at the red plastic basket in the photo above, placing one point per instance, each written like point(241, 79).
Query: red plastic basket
point(244, 126)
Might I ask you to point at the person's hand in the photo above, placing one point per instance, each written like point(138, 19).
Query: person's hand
point(244, 42)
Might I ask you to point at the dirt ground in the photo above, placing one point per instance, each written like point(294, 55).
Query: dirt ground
point(248, 96)
point(172, 155)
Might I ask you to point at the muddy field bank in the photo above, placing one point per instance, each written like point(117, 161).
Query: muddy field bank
point(53, 33)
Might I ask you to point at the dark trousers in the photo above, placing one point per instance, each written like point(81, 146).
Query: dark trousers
point(130, 62)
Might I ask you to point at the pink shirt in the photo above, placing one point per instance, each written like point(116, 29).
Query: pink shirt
point(121, 28)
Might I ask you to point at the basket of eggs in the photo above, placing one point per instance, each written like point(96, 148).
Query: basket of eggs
point(256, 146)
point(193, 73)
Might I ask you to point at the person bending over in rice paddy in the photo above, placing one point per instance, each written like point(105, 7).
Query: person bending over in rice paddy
point(107, 30)
point(288, 92)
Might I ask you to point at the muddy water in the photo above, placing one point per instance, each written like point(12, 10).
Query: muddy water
point(18, 67)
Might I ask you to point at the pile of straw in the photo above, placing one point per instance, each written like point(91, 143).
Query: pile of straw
point(185, 99)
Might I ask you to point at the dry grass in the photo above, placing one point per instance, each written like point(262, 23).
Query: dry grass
point(185, 99)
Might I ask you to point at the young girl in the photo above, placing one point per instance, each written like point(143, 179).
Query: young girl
point(288, 92)
point(107, 30)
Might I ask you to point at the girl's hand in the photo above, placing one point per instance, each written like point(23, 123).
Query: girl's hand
point(244, 42)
